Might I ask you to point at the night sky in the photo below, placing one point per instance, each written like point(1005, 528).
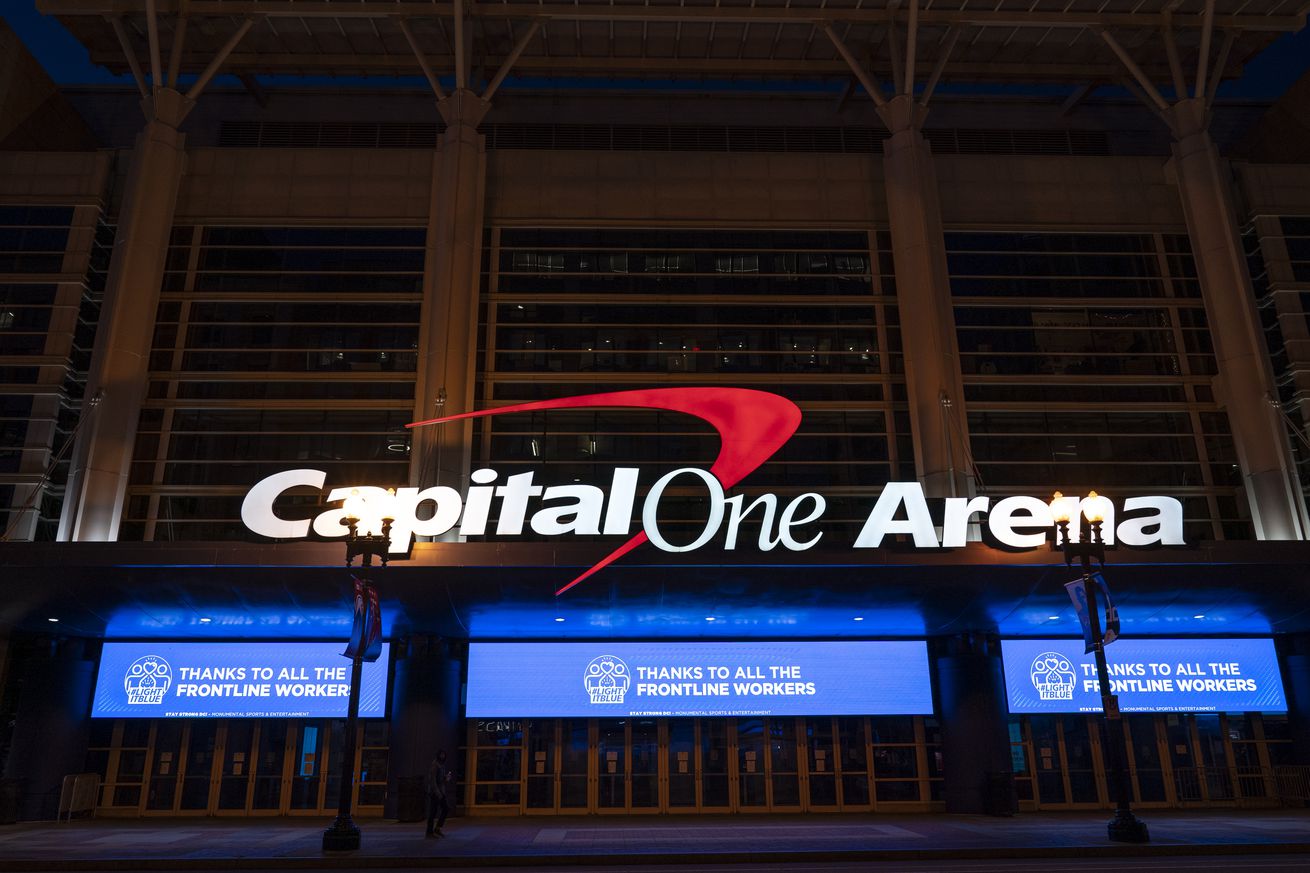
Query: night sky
point(66, 61)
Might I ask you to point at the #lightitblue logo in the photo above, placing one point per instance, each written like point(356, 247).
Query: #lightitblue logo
point(607, 679)
point(147, 680)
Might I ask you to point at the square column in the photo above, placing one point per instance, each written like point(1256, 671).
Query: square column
point(451, 284)
point(121, 361)
point(1245, 383)
point(923, 299)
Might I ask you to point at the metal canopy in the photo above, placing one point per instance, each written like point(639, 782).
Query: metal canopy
point(1005, 41)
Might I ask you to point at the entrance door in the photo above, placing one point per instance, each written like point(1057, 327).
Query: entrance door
point(714, 760)
point(197, 777)
point(683, 769)
point(307, 768)
point(239, 737)
point(611, 764)
point(1066, 758)
point(271, 766)
point(541, 755)
point(165, 767)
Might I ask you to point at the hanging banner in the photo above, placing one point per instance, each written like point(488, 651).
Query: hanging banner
point(1192, 675)
point(366, 626)
point(1109, 621)
point(233, 680)
point(606, 679)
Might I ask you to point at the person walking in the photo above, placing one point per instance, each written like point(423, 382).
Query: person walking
point(438, 785)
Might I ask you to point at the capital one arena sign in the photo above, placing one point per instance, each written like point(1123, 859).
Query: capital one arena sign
point(752, 426)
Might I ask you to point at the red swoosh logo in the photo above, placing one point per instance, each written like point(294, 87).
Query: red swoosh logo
point(752, 425)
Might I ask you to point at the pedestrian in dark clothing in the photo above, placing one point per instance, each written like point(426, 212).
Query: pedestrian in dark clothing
point(438, 785)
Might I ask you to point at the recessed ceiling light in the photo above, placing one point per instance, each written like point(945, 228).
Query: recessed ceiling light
point(205, 619)
point(1053, 618)
point(52, 619)
point(858, 618)
point(558, 619)
point(709, 618)
point(1199, 615)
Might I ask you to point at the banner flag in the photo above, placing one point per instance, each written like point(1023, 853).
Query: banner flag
point(366, 630)
point(1078, 594)
point(1111, 612)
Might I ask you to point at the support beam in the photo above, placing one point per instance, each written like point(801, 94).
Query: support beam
point(508, 63)
point(461, 62)
point(1203, 58)
point(217, 62)
point(132, 63)
point(1245, 383)
point(948, 46)
point(894, 55)
point(1175, 65)
point(1152, 94)
point(1220, 63)
point(175, 51)
point(940, 17)
point(152, 36)
point(1081, 93)
point(256, 90)
point(935, 387)
point(423, 64)
point(911, 45)
point(875, 93)
point(447, 350)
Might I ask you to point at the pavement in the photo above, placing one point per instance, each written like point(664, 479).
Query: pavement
point(630, 841)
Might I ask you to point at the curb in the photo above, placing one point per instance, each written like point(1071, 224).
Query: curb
point(352, 861)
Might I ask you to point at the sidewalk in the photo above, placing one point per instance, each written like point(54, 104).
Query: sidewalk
point(209, 844)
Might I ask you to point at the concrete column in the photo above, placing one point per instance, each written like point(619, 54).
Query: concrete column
point(1245, 383)
point(51, 725)
point(103, 454)
point(425, 717)
point(923, 299)
point(448, 344)
point(975, 735)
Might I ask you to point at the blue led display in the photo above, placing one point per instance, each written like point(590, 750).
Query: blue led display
point(1192, 675)
point(233, 680)
point(548, 680)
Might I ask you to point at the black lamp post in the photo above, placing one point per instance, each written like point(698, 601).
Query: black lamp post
point(343, 834)
point(1124, 827)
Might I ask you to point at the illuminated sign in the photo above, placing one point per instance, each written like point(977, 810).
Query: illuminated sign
point(752, 425)
point(607, 679)
point(233, 680)
point(1191, 675)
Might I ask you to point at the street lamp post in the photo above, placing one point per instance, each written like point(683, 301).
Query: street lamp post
point(1124, 827)
point(343, 834)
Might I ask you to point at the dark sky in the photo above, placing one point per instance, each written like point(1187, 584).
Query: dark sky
point(1266, 78)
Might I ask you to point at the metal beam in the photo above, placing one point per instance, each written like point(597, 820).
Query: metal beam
point(400, 65)
point(508, 63)
point(422, 61)
point(1175, 65)
point(132, 63)
point(927, 17)
point(944, 55)
point(856, 67)
point(1081, 93)
point(175, 51)
point(152, 37)
point(1203, 59)
point(1222, 61)
point(461, 74)
point(911, 45)
point(218, 59)
point(1149, 90)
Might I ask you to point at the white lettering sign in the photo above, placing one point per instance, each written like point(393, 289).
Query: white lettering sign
point(901, 510)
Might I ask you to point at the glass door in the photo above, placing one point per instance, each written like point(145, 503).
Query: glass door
point(165, 767)
point(539, 739)
point(644, 765)
point(1145, 760)
point(714, 763)
point(783, 765)
point(238, 765)
point(611, 764)
point(821, 764)
point(752, 774)
point(682, 767)
point(198, 770)
point(574, 761)
point(853, 737)
point(271, 767)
